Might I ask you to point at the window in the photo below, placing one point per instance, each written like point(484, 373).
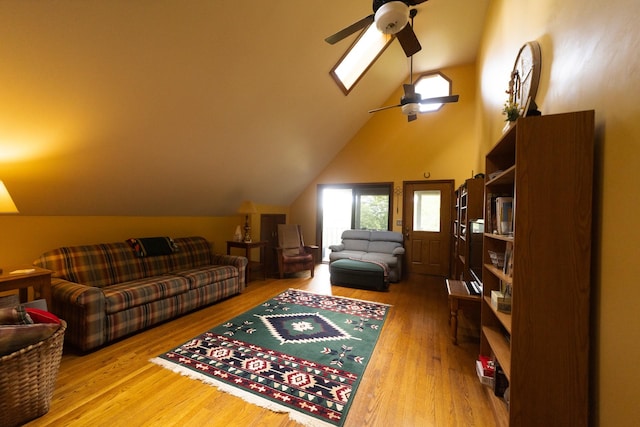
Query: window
point(352, 206)
point(431, 85)
point(359, 58)
point(426, 210)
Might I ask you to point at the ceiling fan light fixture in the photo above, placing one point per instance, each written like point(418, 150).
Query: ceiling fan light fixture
point(411, 109)
point(392, 17)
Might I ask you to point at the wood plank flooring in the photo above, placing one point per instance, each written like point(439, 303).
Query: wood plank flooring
point(416, 376)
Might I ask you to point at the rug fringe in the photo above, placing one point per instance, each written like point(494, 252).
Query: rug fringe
point(246, 396)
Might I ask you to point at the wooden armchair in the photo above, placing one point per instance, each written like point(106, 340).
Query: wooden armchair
point(293, 254)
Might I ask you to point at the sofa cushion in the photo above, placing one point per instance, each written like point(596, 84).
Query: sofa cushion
point(107, 264)
point(96, 265)
point(204, 276)
point(123, 296)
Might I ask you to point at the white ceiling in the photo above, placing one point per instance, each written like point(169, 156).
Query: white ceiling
point(188, 107)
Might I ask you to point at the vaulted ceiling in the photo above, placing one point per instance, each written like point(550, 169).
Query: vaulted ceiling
point(188, 107)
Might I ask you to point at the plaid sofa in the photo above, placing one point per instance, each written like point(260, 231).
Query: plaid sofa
point(105, 291)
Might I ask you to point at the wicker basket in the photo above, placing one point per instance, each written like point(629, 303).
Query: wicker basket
point(27, 379)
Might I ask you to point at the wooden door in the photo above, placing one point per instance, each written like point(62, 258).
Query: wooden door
point(427, 225)
point(269, 233)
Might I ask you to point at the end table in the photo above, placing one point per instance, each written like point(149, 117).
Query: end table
point(22, 278)
point(253, 265)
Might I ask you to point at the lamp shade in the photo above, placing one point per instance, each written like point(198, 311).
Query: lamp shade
point(247, 207)
point(6, 203)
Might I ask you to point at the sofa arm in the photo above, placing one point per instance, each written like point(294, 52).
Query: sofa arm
point(398, 251)
point(83, 308)
point(239, 262)
point(337, 248)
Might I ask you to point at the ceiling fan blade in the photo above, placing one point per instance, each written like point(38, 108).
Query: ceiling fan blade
point(384, 108)
point(440, 99)
point(346, 32)
point(411, 117)
point(408, 41)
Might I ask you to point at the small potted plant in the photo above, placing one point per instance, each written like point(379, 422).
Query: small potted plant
point(511, 110)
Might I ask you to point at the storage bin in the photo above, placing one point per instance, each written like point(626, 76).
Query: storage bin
point(27, 379)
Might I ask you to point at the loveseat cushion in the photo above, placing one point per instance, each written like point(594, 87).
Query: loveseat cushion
point(387, 236)
point(346, 255)
point(356, 234)
point(383, 247)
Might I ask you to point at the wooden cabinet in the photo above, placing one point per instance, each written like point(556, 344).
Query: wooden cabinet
point(469, 206)
point(269, 233)
point(546, 164)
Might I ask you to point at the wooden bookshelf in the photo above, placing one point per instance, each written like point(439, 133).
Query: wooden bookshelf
point(469, 207)
point(546, 164)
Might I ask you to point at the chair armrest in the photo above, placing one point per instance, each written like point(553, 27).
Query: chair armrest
point(239, 262)
point(398, 251)
point(337, 248)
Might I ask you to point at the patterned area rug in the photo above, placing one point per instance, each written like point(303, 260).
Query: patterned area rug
point(300, 352)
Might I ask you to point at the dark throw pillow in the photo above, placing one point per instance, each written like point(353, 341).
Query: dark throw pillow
point(152, 246)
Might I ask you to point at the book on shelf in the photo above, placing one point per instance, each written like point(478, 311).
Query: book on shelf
point(504, 215)
point(491, 225)
point(508, 260)
point(494, 174)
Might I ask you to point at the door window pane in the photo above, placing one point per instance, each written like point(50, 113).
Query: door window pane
point(426, 211)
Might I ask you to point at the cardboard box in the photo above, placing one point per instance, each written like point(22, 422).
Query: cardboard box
point(484, 379)
point(488, 367)
point(500, 302)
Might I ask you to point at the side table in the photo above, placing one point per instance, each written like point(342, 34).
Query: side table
point(458, 296)
point(253, 265)
point(23, 278)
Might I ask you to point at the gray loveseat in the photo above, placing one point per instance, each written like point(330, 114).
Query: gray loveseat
point(378, 246)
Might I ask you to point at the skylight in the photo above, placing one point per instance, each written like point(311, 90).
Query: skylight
point(432, 85)
point(357, 60)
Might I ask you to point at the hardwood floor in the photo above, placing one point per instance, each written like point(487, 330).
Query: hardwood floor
point(416, 376)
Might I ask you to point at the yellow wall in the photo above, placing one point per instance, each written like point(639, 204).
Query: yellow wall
point(23, 238)
point(590, 61)
point(390, 149)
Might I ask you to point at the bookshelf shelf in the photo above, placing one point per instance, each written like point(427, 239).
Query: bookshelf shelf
point(504, 318)
point(545, 164)
point(498, 273)
point(500, 348)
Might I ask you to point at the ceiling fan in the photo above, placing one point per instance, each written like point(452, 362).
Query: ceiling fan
point(390, 17)
point(411, 101)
